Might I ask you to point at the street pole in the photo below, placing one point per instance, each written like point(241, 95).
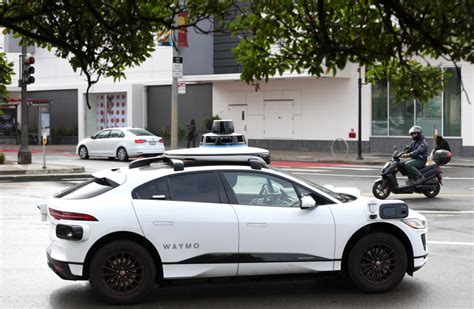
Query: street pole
point(24, 154)
point(359, 141)
point(174, 101)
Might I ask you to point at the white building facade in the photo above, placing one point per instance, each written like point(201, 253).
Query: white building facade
point(288, 112)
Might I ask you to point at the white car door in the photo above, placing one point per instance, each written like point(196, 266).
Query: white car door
point(96, 145)
point(276, 235)
point(189, 220)
point(112, 143)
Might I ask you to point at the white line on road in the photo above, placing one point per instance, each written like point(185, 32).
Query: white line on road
point(455, 243)
point(370, 176)
point(445, 211)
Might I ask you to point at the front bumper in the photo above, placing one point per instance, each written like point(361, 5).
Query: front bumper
point(62, 269)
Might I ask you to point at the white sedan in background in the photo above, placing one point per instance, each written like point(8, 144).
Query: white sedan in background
point(120, 143)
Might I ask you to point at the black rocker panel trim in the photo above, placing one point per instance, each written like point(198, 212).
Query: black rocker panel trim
point(233, 258)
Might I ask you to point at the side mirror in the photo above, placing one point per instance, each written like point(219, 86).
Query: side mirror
point(93, 137)
point(407, 147)
point(307, 202)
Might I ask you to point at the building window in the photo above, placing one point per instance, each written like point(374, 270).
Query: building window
point(441, 113)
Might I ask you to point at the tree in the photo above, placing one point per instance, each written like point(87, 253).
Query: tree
point(393, 39)
point(6, 71)
point(100, 37)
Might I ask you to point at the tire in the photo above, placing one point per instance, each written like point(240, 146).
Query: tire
point(379, 192)
point(122, 272)
point(377, 263)
point(83, 153)
point(122, 154)
point(434, 192)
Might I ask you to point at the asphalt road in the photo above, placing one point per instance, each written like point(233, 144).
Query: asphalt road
point(446, 281)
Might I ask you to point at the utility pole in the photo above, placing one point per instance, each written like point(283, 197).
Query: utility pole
point(177, 73)
point(359, 141)
point(24, 153)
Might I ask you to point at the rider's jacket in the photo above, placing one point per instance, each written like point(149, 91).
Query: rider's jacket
point(419, 149)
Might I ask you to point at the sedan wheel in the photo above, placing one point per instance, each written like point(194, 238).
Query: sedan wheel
point(122, 154)
point(377, 263)
point(83, 153)
point(122, 272)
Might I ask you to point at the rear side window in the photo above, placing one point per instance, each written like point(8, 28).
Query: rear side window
point(87, 189)
point(140, 132)
point(195, 187)
point(155, 189)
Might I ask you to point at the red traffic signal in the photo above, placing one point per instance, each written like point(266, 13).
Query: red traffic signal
point(28, 70)
point(29, 60)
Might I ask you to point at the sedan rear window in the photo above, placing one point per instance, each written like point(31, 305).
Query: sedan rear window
point(140, 132)
point(87, 189)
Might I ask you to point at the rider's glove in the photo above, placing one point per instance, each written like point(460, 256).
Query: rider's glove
point(406, 155)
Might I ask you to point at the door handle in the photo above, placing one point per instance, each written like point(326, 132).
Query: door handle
point(162, 223)
point(257, 224)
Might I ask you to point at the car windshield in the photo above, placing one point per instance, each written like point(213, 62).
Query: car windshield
point(332, 194)
point(140, 132)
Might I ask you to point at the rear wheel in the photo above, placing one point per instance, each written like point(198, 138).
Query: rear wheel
point(377, 263)
point(434, 192)
point(83, 153)
point(380, 191)
point(122, 272)
point(122, 154)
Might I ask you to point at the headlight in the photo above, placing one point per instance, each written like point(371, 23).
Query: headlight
point(415, 223)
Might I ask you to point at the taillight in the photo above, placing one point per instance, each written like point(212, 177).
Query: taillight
point(65, 215)
point(162, 141)
point(140, 141)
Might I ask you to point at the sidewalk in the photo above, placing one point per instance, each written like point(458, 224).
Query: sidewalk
point(11, 171)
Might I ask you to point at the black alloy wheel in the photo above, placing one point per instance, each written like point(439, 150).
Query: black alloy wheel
point(122, 272)
point(83, 153)
point(380, 191)
point(377, 263)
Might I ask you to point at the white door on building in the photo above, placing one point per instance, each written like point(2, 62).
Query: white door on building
point(279, 119)
point(238, 114)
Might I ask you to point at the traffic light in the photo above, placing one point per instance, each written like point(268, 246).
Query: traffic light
point(28, 70)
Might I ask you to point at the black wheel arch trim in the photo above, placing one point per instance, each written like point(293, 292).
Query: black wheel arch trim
point(131, 236)
point(384, 228)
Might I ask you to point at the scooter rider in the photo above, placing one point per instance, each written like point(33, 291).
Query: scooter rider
point(418, 154)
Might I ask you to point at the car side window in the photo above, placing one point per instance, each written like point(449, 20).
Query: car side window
point(103, 134)
point(116, 134)
point(156, 189)
point(261, 189)
point(195, 187)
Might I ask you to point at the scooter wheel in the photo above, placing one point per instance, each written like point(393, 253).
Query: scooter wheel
point(380, 191)
point(434, 192)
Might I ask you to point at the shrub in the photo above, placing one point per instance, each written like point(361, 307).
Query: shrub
point(208, 122)
point(2, 158)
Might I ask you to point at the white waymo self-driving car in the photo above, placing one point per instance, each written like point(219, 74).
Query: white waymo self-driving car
point(164, 219)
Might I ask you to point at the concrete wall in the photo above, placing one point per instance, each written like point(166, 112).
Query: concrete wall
point(323, 109)
point(198, 57)
point(196, 103)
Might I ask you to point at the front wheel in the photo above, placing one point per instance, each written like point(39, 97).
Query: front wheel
point(122, 272)
point(381, 191)
point(434, 192)
point(83, 153)
point(377, 263)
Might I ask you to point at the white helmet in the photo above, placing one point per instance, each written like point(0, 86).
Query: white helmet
point(415, 129)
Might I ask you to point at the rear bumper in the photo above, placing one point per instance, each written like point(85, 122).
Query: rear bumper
point(62, 269)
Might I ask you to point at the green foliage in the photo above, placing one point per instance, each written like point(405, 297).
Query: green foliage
point(2, 158)
point(101, 38)
point(208, 122)
point(6, 71)
point(321, 37)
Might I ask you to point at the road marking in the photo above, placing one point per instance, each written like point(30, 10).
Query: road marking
point(455, 243)
point(445, 211)
point(330, 168)
point(309, 172)
point(23, 198)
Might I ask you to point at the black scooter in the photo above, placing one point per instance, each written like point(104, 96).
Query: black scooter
point(430, 186)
